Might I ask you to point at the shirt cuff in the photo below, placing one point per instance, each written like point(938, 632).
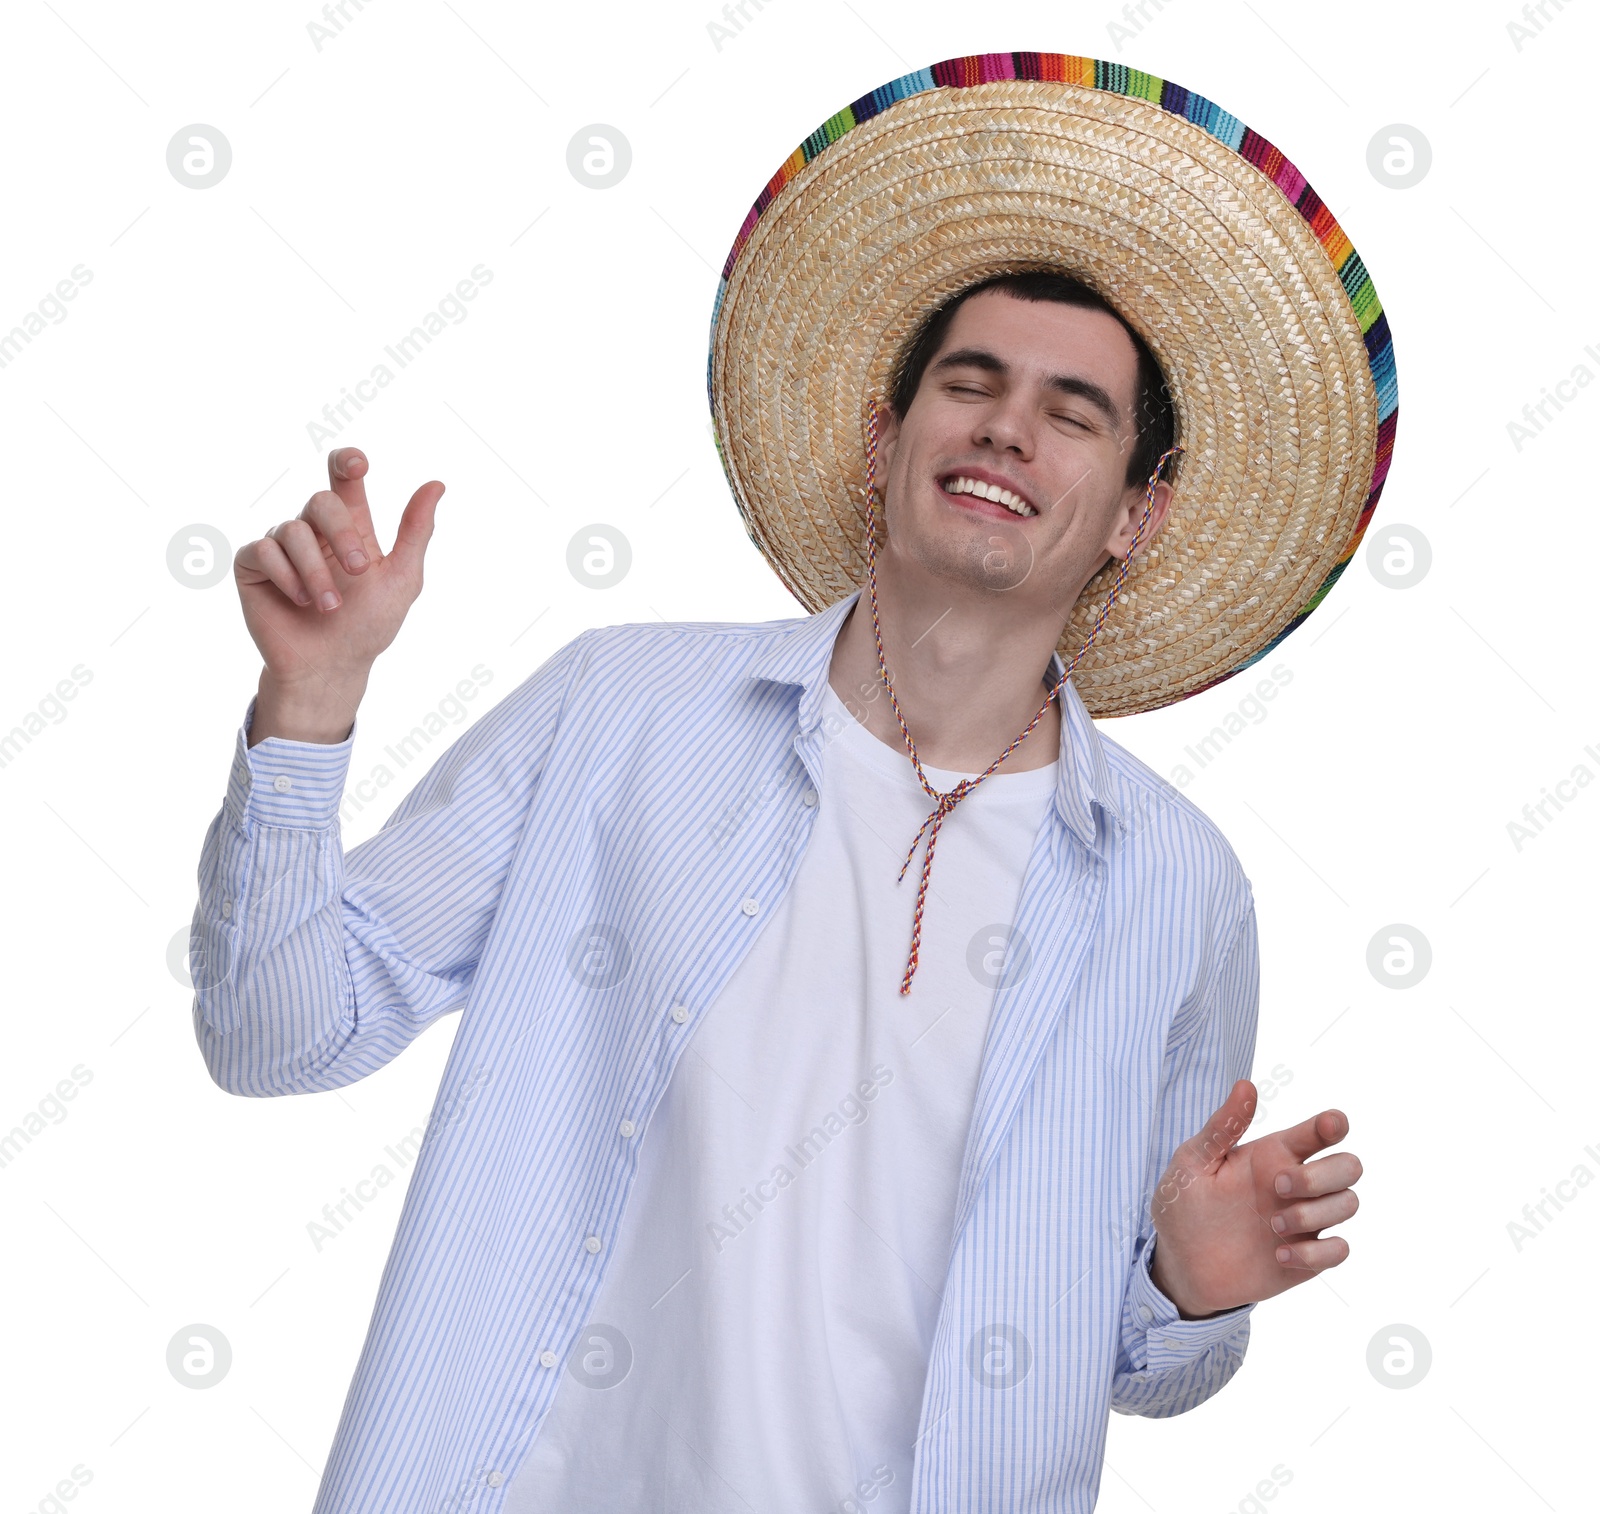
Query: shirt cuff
point(281, 782)
point(1171, 1341)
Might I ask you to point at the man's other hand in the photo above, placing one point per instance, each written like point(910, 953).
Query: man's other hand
point(1237, 1224)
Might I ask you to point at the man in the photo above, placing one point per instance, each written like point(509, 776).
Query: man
point(759, 1177)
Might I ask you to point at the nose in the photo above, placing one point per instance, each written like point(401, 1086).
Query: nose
point(1006, 425)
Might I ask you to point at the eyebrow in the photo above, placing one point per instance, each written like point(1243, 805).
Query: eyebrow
point(1064, 383)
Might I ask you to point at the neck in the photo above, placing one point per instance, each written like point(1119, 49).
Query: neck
point(968, 674)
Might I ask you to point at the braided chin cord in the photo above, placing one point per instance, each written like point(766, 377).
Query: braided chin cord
point(946, 802)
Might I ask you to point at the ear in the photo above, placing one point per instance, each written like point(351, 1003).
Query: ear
point(1129, 515)
point(888, 435)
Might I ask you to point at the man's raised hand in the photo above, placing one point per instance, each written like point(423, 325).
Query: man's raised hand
point(1237, 1224)
point(286, 578)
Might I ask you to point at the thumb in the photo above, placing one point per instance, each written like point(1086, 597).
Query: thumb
point(1206, 1149)
point(416, 527)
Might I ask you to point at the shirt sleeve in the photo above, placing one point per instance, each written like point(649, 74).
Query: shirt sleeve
point(1167, 1365)
point(313, 967)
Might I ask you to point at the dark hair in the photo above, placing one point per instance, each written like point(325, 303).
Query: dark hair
point(1153, 412)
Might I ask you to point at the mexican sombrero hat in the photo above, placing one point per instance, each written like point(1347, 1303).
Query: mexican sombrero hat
point(1206, 239)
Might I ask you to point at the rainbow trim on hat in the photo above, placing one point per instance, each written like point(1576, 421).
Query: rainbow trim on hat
point(1093, 73)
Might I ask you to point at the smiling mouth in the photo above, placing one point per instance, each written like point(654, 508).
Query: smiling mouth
point(961, 483)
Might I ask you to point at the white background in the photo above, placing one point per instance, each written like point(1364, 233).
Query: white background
point(370, 175)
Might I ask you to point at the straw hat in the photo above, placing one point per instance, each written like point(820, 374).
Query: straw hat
point(1205, 238)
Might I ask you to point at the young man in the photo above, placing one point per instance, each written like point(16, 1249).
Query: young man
point(758, 1177)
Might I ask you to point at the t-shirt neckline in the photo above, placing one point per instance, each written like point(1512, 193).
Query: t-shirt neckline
point(865, 747)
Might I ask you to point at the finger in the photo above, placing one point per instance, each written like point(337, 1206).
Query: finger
point(347, 473)
point(416, 527)
point(1312, 1215)
point(1309, 1179)
point(1313, 1256)
point(1206, 1149)
point(264, 561)
point(336, 521)
point(1311, 1136)
point(304, 546)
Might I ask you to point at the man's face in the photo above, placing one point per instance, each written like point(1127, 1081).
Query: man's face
point(1037, 398)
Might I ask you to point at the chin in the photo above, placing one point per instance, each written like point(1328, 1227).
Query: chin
point(982, 562)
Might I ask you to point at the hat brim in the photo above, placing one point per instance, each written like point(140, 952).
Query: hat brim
point(1201, 234)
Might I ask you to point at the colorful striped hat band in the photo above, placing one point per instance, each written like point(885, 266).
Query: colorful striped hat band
point(1203, 237)
point(944, 803)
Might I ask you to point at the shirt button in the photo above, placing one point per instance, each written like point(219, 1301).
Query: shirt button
point(547, 1358)
point(1167, 1340)
point(626, 1128)
point(1145, 1313)
point(809, 797)
point(591, 1244)
point(494, 1479)
point(227, 908)
point(679, 1013)
point(750, 907)
point(283, 783)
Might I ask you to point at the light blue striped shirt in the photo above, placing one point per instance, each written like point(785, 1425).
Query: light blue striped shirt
point(644, 786)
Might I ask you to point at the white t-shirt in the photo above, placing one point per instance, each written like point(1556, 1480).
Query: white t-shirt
point(777, 1277)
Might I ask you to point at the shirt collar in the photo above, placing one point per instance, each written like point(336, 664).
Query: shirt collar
point(800, 655)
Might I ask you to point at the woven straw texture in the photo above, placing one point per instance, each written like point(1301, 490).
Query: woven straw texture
point(1204, 237)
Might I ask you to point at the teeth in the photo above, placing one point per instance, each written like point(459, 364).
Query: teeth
point(964, 485)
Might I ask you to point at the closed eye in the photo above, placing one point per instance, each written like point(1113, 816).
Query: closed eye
point(1074, 420)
